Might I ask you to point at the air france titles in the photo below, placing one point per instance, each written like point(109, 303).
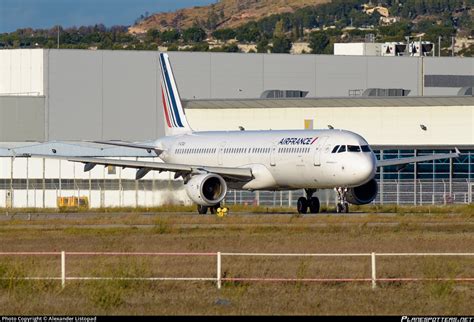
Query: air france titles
point(297, 141)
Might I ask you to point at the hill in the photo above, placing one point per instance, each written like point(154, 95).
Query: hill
point(224, 14)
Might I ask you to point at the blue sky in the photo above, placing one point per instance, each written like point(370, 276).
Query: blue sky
point(16, 14)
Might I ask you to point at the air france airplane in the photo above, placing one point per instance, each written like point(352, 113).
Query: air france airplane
point(212, 162)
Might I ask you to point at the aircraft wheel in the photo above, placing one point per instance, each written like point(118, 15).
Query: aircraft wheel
point(314, 205)
point(345, 208)
point(302, 205)
point(342, 208)
point(214, 209)
point(202, 210)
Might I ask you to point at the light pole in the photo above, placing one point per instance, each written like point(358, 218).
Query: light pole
point(452, 46)
point(421, 47)
point(439, 46)
point(408, 45)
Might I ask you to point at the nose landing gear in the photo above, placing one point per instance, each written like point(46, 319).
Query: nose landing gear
point(309, 202)
point(342, 205)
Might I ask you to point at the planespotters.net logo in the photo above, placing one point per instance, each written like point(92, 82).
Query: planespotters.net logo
point(437, 319)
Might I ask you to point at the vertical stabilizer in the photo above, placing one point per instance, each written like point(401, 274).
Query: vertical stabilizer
point(175, 119)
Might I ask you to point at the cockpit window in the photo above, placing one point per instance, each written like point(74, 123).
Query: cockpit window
point(342, 149)
point(353, 148)
point(335, 149)
point(365, 148)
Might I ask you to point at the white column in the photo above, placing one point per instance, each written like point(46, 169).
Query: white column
point(63, 269)
point(374, 278)
point(219, 277)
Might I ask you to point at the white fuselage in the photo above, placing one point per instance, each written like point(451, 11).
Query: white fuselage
point(279, 159)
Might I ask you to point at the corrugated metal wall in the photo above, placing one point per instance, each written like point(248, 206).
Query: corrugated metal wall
point(21, 118)
point(21, 72)
point(102, 94)
point(115, 94)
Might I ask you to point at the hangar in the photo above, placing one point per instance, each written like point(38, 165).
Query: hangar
point(62, 97)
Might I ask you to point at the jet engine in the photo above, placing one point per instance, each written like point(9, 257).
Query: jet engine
point(363, 194)
point(206, 189)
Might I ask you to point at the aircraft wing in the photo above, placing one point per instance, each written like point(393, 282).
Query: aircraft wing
point(238, 174)
point(131, 145)
point(403, 161)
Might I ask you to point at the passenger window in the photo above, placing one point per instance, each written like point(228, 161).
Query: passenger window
point(335, 149)
point(342, 149)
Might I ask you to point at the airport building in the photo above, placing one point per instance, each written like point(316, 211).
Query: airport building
point(53, 100)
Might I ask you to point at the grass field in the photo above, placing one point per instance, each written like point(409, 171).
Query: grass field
point(402, 231)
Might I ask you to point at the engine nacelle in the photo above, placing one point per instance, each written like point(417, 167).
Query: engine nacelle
point(364, 194)
point(206, 189)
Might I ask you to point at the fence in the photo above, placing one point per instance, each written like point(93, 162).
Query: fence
point(148, 193)
point(400, 192)
point(218, 279)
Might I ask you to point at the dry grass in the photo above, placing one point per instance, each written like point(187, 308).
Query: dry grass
point(240, 233)
point(467, 209)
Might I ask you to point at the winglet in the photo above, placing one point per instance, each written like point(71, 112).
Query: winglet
point(457, 151)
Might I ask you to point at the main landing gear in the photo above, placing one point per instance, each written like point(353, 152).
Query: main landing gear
point(216, 209)
point(342, 205)
point(309, 202)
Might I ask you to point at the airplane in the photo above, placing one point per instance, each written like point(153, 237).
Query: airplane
point(212, 162)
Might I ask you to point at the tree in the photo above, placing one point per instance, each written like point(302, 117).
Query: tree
point(202, 46)
point(318, 42)
point(152, 35)
point(281, 45)
point(279, 32)
point(232, 48)
point(248, 33)
point(262, 46)
point(170, 36)
point(194, 34)
point(224, 34)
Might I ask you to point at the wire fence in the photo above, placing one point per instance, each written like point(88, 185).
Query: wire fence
point(218, 277)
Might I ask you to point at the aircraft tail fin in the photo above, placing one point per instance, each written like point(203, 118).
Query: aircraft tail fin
point(175, 119)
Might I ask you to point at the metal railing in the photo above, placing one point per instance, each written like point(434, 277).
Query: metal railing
point(36, 193)
point(218, 279)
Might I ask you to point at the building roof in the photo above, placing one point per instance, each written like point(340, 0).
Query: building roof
point(421, 101)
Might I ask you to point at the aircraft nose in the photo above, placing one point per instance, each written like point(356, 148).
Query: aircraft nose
point(364, 168)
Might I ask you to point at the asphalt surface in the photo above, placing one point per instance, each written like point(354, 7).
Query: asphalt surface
point(59, 220)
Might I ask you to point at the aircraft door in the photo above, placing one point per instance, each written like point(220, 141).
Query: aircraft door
point(319, 150)
point(220, 152)
point(273, 156)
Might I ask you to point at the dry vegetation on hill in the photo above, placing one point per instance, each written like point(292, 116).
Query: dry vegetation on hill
point(224, 14)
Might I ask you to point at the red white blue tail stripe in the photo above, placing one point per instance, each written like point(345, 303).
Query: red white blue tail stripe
point(173, 110)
